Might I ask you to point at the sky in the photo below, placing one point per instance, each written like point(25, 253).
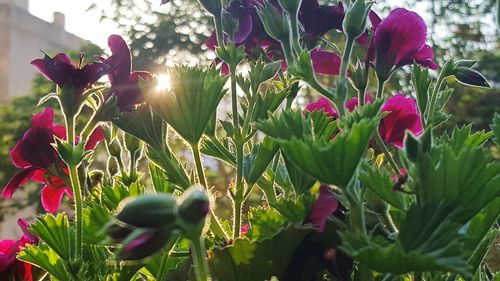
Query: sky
point(79, 21)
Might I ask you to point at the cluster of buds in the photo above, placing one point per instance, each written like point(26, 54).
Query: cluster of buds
point(146, 223)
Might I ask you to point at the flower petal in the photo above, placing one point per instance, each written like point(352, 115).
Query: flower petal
point(95, 137)
point(326, 62)
point(18, 180)
point(51, 198)
point(120, 61)
point(324, 206)
point(322, 104)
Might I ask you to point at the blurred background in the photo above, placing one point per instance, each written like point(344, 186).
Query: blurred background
point(161, 36)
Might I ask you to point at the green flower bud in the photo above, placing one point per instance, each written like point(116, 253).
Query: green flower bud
point(194, 207)
point(149, 211)
point(132, 143)
point(214, 7)
point(359, 75)
point(275, 22)
point(229, 24)
point(355, 18)
point(115, 148)
point(291, 6)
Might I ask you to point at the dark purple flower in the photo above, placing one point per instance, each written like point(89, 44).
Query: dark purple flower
point(399, 40)
point(61, 71)
point(318, 19)
point(164, 2)
point(124, 81)
point(38, 160)
point(324, 206)
point(323, 104)
point(403, 116)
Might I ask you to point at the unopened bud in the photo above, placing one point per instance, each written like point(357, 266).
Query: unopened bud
point(291, 6)
point(194, 207)
point(355, 19)
point(275, 22)
point(142, 243)
point(115, 148)
point(214, 7)
point(230, 24)
point(132, 143)
point(469, 76)
point(149, 211)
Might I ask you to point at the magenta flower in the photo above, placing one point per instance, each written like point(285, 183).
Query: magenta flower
point(10, 267)
point(352, 103)
point(324, 62)
point(38, 160)
point(61, 71)
point(124, 81)
point(399, 40)
point(322, 104)
point(403, 116)
point(324, 206)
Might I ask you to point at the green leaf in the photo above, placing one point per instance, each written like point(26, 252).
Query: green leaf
point(256, 163)
point(421, 81)
point(331, 162)
point(295, 210)
point(47, 259)
point(191, 101)
point(268, 101)
point(245, 260)
point(378, 180)
point(95, 219)
point(264, 223)
point(463, 137)
point(219, 150)
point(55, 232)
point(158, 179)
point(300, 181)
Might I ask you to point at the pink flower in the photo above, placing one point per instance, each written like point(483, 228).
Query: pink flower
point(10, 267)
point(38, 160)
point(322, 104)
point(324, 62)
point(399, 40)
point(351, 104)
point(403, 116)
point(324, 206)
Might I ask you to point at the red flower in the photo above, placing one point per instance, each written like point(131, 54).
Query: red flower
point(324, 206)
point(61, 71)
point(124, 83)
point(318, 19)
point(39, 161)
point(322, 104)
point(399, 40)
point(351, 104)
point(403, 116)
point(324, 62)
point(10, 267)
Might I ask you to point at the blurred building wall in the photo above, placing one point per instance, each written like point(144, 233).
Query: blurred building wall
point(22, 38)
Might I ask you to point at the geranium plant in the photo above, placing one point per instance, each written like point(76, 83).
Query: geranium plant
point(357, 185)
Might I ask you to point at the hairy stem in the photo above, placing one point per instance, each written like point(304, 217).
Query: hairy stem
point(199, 260)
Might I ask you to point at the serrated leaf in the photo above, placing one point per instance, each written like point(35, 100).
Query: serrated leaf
point(295, 210)
point(331, 162)
point(421, 81)
point(55, 232)
point(379, 181)
point(300, 181)
point(249, 261)
point(47, 259)
point(264, 223)
point(158, 179)
point(95, 219)
point(256, 163)
point(214, 148)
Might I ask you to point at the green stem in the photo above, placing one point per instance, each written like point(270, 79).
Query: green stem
point(294, 26)
point(239, 194)
point(390, 221)
point(162, 272)
point(218, 32)
point(237, 217)
point(215, 225)
point(89, 128)
point(387, 154)
point(287, 51)
point(432, 106)
point(77, 192)
point(234, 101)
point(380, 90)
point(132, 164)
point(199, 260)
point(346, 57)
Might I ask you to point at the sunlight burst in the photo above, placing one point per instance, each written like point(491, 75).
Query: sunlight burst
point(163, 82)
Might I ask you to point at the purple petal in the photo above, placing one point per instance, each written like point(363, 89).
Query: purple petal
point(58, 69)
point(325, 62)
point(120, 60)
point(324, 206)
point(322, 104)
point(51, 198)
point(18, 180)
point(244, 28)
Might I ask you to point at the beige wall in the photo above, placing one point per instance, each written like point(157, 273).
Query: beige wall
point(22, 37)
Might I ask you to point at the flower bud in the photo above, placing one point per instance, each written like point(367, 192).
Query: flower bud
point(115, 148)
point(194, 207)
point(132, 143)
point(230, 24)
point(149, 211)
point(291, 6)
point(108, 109)
point(214, 7)
point(275, 23)
point(355, 19)
point(358, 76)
point(469, 76)
point(140, 243)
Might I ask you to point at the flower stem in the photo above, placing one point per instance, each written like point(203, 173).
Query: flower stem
point(390, 221)
point(380, 90)
point(295, 31)
point(432, 106)
point(215, 226)
point(346, 57)
point(77, 192)
point(218, 32)
point(200, 264)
